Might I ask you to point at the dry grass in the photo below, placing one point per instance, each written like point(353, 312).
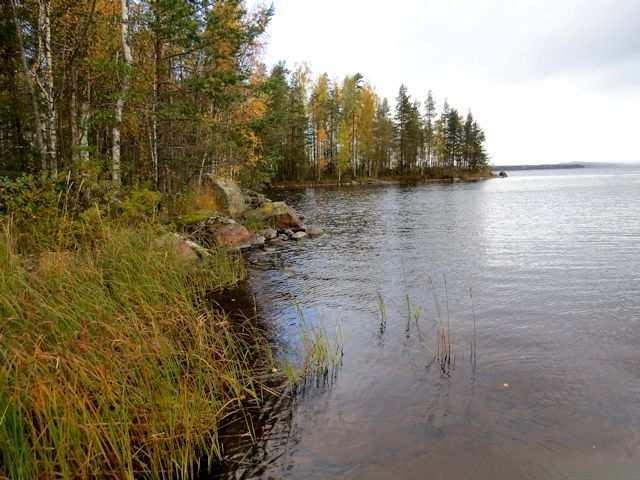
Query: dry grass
point(112, 367)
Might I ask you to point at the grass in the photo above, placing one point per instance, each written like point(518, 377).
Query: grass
point(112, 366)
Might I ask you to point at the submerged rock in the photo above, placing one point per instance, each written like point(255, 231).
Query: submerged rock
point(257, 240)
point(299, 235)
point(503, 174)
point(314, 231)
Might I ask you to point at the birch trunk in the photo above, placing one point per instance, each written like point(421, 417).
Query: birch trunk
point(84, 131)
point(75, 133)
point(37, 120)
point(124, 87)
point(44, 41)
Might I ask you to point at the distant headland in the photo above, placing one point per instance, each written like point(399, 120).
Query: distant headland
point(558, 166)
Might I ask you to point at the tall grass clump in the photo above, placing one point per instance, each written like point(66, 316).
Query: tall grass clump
point(112, 367)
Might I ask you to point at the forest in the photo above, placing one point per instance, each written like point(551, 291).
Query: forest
point(161, 92)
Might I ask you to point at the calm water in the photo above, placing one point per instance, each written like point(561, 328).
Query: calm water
point(553, 261)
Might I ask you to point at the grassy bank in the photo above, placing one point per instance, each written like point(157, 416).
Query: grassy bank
point(429, 175)
point(113, 365)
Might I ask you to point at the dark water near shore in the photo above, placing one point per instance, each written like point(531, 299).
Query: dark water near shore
point(553, 259)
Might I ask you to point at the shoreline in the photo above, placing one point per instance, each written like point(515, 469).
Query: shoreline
point(448, 176)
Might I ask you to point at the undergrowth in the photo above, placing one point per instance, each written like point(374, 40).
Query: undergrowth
point(113, 365)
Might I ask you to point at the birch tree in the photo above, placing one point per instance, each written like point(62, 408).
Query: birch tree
point(124, 87)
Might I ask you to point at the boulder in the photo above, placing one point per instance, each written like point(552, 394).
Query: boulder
point(186, 249)
point(503, 174)
point(232, 235)
point(257, 240)
point(280, 215)
point(299, 235)
point(228, 195)
point(268, 233)
point(254, 199)
point(314, 231)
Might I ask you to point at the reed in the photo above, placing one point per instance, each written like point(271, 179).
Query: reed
point(444, 354)
point(382, 309)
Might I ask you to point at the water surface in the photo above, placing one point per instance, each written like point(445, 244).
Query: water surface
point(552, 259)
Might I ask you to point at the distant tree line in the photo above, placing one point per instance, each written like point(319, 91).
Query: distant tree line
point(163, 91)
point(323, 127)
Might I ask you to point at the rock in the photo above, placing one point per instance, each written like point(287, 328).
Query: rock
point(314, 231)
point(232, 235)
point(268, 233)
point(228, 195)
point(503, 174)
point(283, 237)
point(280, 215)
point(186, 249)
point(254, 199)
point(288, 232)
point(257, 240)
point(299, 235)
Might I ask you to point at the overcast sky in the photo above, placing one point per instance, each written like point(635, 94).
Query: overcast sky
point(549, 80)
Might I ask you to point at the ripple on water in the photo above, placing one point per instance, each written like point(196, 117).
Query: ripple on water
point(553, 263)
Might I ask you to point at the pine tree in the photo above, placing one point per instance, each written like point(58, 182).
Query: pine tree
point(429, 128)
point(383, 138)
point(402, 118)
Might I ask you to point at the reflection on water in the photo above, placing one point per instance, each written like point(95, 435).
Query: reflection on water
point(552, 260)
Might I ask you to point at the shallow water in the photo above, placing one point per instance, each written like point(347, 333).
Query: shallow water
point(553, 262)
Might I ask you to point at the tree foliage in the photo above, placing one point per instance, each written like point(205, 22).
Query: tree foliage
point(160, 92)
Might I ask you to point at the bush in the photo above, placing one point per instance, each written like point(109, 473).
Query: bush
point(63, 213)
point(140, 205)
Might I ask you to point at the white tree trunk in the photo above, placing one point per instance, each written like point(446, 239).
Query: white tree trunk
point(128, 58)
point(84, 132)
point(37, 121)
point(44, 42)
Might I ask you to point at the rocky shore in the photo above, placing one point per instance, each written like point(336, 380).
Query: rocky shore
point(243, 220)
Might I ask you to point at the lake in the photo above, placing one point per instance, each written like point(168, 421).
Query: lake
point(547, 265)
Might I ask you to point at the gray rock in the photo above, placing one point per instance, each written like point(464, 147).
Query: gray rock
point(254, 199)
point(186, 249)
point(314, 231)
point(299, 235)
point(232, 235)
point(228, 195)
point(268, 233)
point(279, 215)
point(257, 240)
point(283, 237)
